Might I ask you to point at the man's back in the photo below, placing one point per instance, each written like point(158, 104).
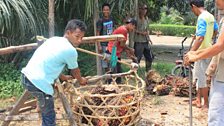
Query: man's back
point(205, 27)
point(48, 62)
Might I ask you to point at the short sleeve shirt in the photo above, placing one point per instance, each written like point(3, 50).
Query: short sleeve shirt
point(48, 61)
point(105, 27)
point(120, 30)
point(206, 25)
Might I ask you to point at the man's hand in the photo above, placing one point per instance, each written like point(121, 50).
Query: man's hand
point(208, 79)
point(145, 33)
point(190, 57)
point(211, 69)
point(63, 77)
point(83, 81)
point(134, 66)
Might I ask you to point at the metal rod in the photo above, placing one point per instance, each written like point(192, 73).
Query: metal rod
point(190, 96)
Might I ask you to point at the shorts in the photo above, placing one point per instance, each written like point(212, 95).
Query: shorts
point(199, 70)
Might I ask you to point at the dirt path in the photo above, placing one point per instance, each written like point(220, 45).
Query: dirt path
point(156, 110)
point(170, 111)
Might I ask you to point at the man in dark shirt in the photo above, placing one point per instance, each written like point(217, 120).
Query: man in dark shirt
point(104, 27)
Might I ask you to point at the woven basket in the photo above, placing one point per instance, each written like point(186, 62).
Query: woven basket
point(122, 107)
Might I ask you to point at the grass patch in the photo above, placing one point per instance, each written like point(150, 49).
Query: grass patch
point(163, 68)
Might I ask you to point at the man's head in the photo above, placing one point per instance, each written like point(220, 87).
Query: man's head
point(75, 31)
point(131, 24)
point(143, 9)
point(106, 10)
point(196, 5)
point(220, 4)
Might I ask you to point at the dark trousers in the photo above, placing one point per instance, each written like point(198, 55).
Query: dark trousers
point(143, 48)
point(45, 101)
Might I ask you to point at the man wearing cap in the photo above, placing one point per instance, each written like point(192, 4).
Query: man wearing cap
point(142, 40)
point(121, 47)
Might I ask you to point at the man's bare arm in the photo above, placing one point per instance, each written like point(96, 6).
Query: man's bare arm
point(197, 43)
point(77, 75)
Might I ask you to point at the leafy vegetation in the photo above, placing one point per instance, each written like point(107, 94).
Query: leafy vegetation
point(9, 81)
point(170, 16)
point(173, 30)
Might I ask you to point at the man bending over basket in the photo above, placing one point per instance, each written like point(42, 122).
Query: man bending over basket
point(46, 65)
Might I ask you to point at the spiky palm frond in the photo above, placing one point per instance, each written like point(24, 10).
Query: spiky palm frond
point(19, 18)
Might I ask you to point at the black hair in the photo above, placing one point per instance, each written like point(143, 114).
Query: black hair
point(105, 4)
point(74, 24)
point(131, 20)
point(197, 3)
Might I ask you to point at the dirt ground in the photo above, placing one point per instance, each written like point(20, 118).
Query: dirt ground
point(156, 110)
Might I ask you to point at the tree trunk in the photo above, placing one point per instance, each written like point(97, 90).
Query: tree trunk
point(95, 18)
point(51, 18)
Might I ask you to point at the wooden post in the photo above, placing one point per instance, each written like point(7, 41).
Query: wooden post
point(17, 106)
point(131, 34)
point(136, 8)
point(95, 19)
point(51, 17)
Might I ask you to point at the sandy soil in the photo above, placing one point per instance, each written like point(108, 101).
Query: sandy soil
point(156, 110)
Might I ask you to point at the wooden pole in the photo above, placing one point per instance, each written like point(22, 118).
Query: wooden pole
point(51, 17)
point(136, 8)
point(100, 56)
point(95, 19)
point(91, 39)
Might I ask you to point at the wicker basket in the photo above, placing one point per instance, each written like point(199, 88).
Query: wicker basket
point(119, 108)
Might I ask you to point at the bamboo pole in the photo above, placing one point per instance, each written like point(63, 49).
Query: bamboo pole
point(91, 39)
point(13, 49)
point(101, 56)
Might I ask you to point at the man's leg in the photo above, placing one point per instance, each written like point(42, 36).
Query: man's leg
point(216, 104)
point(46, 103)
point(197, 102)
point(104, 64)
point(119, 70)
point(204, 93)
point(148, 57)
point(139, 48)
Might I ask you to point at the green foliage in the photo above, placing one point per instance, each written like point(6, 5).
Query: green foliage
point(173, 30)
point(170, 16)
point(210, 6)
point(87, 62)
point(163, 68)
point(9, 81)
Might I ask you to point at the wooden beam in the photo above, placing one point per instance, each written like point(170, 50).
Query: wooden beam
point(66, 106)
point(13, 49)
point(17, 106)
point(103, 38)
point(91, 39)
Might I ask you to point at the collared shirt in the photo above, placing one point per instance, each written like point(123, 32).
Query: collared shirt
point(48, 61)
